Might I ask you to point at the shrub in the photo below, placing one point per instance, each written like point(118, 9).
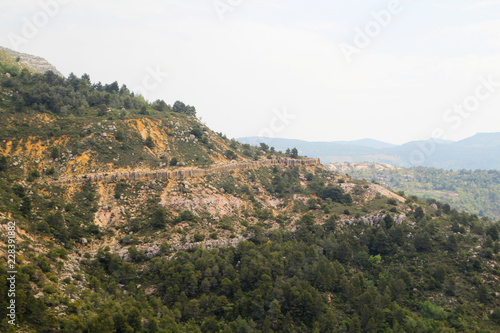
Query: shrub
point(197, 132)
point(495, 316)
point(120, 189)
point(432, 311)
point(199, 237)
point(3, 163)
point(50, 289)
point(158, 218)
point(164, 248)
point(187, 215)
point(230, 155)
point(119, 136)
point(34, 174)
point(55, 153)
point(149, 142)
point(392, 201)
point(50, 171)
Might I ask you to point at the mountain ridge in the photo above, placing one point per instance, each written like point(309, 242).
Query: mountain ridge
point(480, 151)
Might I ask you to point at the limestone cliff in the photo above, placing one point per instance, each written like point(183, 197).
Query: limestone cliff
point(185, 173)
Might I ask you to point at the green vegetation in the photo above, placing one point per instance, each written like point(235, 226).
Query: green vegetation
point(317, 279)
point(77, 96)
point(476, 192)
point(11, 65)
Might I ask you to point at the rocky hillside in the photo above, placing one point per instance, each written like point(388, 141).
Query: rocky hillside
point(133, 216)
point(35, 63)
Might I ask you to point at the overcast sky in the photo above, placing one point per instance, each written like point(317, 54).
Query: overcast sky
point(319, 71)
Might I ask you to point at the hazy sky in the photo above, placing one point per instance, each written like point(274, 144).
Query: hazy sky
point(314, 70)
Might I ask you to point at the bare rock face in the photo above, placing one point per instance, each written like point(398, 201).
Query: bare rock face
point(215, 204)
point(375, 220)
point(103, 217)
point(152, 250)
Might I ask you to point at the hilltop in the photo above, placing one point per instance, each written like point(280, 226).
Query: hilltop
point(134, 216)
point(23, 60)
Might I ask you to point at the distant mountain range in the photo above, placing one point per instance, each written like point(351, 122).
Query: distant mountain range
point(481, 151)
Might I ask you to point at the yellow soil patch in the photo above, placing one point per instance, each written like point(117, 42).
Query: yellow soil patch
point(19, 148)
point(34, 149)
point(81, 164)
point(149, 128)
point(102, 192)
point(219, 142)
point(43, 118)
point(83, 159)
point(8, 148)
point(69, 192)
point(220, 157)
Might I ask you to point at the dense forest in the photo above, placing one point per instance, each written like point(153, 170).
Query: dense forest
point(475, 191)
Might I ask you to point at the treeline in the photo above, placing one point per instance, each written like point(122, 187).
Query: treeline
point(78, 96)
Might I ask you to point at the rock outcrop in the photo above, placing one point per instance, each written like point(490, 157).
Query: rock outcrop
point(375, 220)
point(184, 173)
point(151, 250)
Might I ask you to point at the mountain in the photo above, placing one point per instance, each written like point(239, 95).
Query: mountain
point(124, 215)
point(35, 63)
point(480, 140)
point(481, 151)
point(371, 143)
point(283, 144)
